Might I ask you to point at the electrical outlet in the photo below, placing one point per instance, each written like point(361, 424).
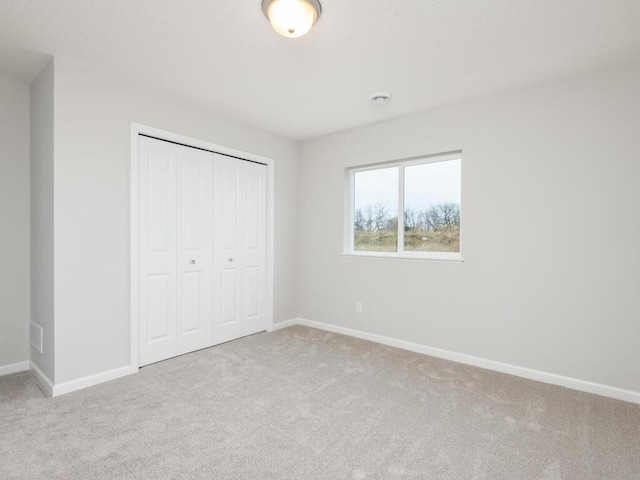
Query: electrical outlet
point(358, 307)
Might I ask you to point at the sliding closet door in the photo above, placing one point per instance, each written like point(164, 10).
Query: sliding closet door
point(202, 249)
point(158, 250)
point(175, 291)
point(195, 237)
point(239, 248)
point(254, 239)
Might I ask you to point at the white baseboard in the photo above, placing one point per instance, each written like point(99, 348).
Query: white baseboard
point(45, 384)
point(552, 378)
point(90, 381)
point(573, 383)
point(14, 368)
point(285, 324)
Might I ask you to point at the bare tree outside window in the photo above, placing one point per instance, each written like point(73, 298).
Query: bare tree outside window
point(376, 205)
point(432, 207)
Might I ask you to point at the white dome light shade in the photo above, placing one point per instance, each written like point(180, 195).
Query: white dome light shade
point(292, 18)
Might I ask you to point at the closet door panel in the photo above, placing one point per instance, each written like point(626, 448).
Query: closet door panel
point(229, 216)
point(254, 247)
point(157, 252)
point(160, 288)
point(229, 296)
point(252, 300)
point(195, 224)
point(228, 200)
point(191, 311)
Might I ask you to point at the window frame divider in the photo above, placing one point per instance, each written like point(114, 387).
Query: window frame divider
point(400, 245)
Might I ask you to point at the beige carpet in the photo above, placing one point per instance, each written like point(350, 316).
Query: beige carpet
point(303, 404)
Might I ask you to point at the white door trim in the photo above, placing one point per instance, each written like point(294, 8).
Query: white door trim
point(136, 130)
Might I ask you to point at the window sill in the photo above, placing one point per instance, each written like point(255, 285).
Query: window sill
point(438, 257)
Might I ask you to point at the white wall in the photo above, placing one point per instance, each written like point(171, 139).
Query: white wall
point(551, 229)
point(14, 221)
point(92, 170)
point(42, 261)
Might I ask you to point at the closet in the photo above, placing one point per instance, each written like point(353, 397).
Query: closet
point(202, 249)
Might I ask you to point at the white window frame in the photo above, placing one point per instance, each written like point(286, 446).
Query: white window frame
point(349, 234)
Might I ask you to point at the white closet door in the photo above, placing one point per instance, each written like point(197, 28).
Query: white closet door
point(175, 250)
point(239, 248)
point(158, 250)
point(254, 258)
point(195, 237)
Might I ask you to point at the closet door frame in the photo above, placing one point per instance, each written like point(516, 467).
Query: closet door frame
point(139, 129)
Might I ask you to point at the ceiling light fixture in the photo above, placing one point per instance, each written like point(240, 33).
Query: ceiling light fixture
point(292, 18)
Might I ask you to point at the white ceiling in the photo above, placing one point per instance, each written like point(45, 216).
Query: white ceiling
point(224, 55)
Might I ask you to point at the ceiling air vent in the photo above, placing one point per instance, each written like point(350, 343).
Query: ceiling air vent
point(380, 98)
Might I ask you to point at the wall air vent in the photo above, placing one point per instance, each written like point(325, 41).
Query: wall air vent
point(35, 336)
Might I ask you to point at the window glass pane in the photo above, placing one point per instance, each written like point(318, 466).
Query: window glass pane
point(432, 207)
point(375, 216)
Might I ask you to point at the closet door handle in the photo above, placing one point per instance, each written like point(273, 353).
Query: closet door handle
point(192, 262)
point(231, 260)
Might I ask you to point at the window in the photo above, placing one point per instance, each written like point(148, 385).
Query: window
point(425, 190)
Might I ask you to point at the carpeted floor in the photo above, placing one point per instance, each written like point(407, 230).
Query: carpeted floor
point(306, 404)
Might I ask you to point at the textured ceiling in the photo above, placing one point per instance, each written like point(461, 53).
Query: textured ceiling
point(224, 55)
